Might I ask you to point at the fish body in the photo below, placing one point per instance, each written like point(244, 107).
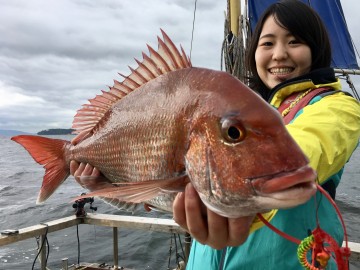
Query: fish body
point(168, 124)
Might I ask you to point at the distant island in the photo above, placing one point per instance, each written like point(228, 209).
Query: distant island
point(56, 131)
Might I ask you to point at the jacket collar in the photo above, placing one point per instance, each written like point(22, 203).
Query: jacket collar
point(315, 79)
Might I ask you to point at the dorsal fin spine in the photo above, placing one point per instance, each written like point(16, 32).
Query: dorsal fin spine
point(84, 126)
point(111, 94)
point(167, 51)
point(129, 82)
point(175, 52)
point(168, 58)
point(138, 75)
point(184, 58)
point(123, 87)
point(88, 113)
point(117, 92)
point(151, 65)
point(159, 60)
point(146, 69)
point(87, 107)
point(98, 101)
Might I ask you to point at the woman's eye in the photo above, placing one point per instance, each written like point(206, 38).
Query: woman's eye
point(295, 41)
point(266, 44)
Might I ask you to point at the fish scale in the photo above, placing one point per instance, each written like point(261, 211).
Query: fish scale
point(125, 157)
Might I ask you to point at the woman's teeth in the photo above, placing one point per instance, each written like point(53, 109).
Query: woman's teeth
point(280, 71)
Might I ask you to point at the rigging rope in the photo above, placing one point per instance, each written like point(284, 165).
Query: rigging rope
point(193, 27)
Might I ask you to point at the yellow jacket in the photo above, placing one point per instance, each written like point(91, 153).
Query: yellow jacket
point(327, 148)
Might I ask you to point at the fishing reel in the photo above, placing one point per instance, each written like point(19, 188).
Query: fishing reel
point(79, 205)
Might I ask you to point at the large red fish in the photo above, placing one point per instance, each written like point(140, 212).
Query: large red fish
point(169, 123)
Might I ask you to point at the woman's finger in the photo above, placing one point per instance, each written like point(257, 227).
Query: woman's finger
point(73, 167)
point(218, 230)
point(87, 170)
point(238, 229)
point(196, 221)
point(179, 213)
point(95, 172)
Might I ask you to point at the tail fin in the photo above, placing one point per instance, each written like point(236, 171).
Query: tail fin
point(51, 154)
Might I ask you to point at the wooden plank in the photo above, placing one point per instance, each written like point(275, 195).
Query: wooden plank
point(130, 222)
point(134, 222)
point(40, 229)
point(164, 225)
point(355, 251)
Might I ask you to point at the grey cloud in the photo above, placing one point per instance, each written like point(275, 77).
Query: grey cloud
point(64, 52)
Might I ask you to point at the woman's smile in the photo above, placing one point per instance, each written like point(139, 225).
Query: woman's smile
point(281, 73)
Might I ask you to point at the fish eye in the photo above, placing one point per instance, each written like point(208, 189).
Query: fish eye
point(232, 130)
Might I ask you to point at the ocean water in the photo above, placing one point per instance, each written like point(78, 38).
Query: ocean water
point(20, 181)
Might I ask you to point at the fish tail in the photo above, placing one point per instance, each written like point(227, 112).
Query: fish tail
point(51, 154)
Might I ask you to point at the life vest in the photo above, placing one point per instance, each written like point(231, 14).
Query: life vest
point(329, 186)
point(302, 103)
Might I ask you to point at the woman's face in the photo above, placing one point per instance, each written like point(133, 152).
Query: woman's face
point(279, 55)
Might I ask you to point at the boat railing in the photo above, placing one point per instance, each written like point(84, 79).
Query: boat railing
point(114, 221)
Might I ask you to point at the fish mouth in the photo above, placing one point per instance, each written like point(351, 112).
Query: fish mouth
point(291, 185)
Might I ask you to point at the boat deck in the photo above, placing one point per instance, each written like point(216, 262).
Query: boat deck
point(114, 221)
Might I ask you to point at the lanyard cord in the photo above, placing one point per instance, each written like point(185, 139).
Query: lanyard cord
point(297, 241)
point(342, 254)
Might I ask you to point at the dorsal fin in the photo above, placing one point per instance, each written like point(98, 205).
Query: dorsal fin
point(166, 59)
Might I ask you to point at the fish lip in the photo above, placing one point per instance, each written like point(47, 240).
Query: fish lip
point(301, 178)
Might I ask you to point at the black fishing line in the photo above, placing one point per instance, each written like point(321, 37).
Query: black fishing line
point(170, 252)
point(182, 250)
point(176, 251)
point(78, 242)
point(41, 247)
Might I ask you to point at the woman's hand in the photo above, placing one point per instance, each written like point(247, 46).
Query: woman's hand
point(85, 170)
point(206, 226)
point(82, 169)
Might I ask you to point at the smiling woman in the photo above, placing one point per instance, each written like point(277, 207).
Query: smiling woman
point(289, 60)
point(285, 48)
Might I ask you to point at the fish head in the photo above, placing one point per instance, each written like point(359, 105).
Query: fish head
point(240, 158)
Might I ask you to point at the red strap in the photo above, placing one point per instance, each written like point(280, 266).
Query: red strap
point(302, 103)
point(283, 234)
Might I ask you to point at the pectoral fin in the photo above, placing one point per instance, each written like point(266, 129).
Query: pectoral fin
point(139, 191)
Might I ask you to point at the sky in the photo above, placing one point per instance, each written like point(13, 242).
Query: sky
point(55, 55)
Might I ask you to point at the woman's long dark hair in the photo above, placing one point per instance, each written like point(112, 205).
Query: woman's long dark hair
point(302, 22)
